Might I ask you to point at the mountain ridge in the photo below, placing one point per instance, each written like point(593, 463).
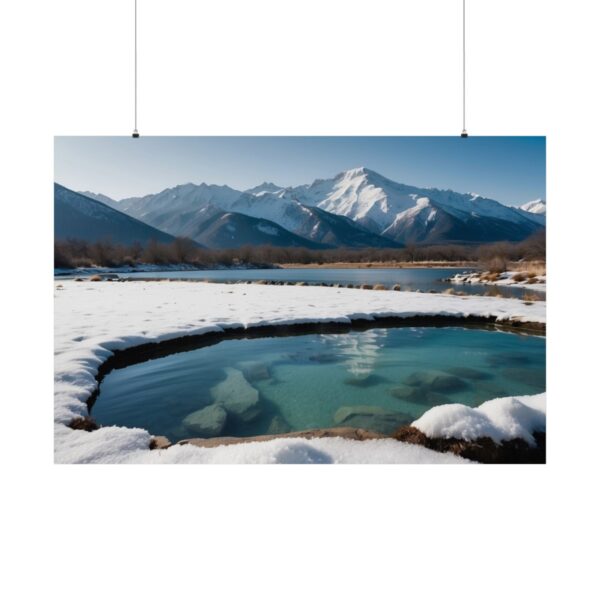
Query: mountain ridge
point(357, 207)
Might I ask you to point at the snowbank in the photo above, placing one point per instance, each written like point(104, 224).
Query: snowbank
point(506, 278)
point(499, 419)
point(94, 319)
point(122, 445)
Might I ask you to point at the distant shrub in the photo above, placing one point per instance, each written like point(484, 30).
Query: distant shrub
point(497, 264)
point(379, 286)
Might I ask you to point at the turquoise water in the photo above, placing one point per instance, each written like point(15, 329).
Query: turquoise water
point(410, 280)
point(378, 379)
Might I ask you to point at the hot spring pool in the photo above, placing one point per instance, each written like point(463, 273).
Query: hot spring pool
point(377, 379)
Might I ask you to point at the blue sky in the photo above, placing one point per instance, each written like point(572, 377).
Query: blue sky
point(511, 170)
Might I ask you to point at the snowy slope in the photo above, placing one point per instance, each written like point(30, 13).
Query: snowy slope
point(536, 207)
point(283, 208)
point(93, 319)
point(102, 198)
point(80, 217)
point(233, 230)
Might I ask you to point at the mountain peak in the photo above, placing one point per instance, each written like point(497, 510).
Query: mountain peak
point(356, 172)
point(537, 207)
point(264, 187)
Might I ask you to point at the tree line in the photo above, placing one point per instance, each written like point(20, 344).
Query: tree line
point(73, 253)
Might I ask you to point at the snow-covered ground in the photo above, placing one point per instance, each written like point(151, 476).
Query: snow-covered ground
point(506, 278)
point(93, 319)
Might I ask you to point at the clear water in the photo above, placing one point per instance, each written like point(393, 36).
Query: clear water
point(319, 380)
point(410, 280)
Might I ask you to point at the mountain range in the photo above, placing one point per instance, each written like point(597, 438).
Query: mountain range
point(356, 208)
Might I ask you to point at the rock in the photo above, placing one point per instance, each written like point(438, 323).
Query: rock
point(237, 396)
point(206, 422)
point(278, 425)
point(448, 384)
point(254, 370)
point(467, 373)
point(84, 424)
point(159, 442)
point(482, 449)
point(435, 381)
point(373, 418)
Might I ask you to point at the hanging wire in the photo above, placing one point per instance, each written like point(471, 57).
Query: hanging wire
point(464, 73)
point(135, 133)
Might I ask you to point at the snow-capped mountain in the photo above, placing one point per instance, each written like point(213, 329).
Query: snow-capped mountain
point(392, 209)
point(182, 210)
point(356, 208)
point(537, 207)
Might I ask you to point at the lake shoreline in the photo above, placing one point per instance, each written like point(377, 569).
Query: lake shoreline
point(482, 450)
point(382, 265)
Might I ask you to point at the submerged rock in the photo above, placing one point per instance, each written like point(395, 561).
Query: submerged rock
point(254, 370)
point(435, 381)
point(206, 422)
point(278, 425)
point(448, 384)
point(468, 373)
point(373, 418)
point(237, 396)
